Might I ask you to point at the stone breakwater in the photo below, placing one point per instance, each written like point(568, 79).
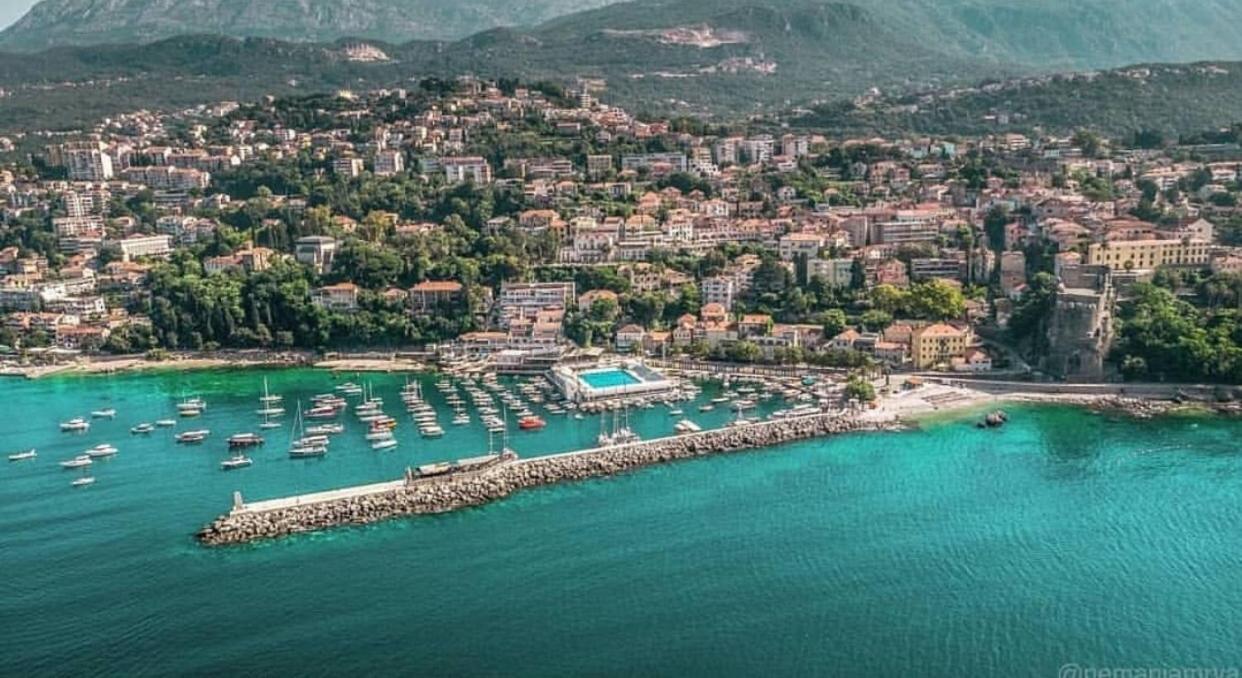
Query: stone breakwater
point(450, 493)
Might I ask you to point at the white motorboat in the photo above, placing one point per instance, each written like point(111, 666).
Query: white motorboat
point(104, 414)
point(101, 451)
point(385, 444)
point(378, 435)
point(687, 426)
point(83, 482)
point(75, 424)
point(325, 429)
point(166, 423)
point(236, 463)
point(79, 461)
point(23, 456)
point(193, 436)
point(142, 429)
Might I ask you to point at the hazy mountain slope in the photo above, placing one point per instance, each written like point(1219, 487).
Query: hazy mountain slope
point(1047, 33)
point(1170, 98)
point(82, 22)
point(707, 57)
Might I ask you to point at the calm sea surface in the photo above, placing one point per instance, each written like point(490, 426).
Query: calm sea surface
point(1063, 538)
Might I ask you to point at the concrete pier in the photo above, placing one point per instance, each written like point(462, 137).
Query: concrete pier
point(477, 485)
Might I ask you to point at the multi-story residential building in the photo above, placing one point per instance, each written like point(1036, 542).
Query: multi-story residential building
point(338, 297)
point(524, 299)
point(348, 166)
point(316, 251)
point(669, 162)
point(835, 272)
point(794, 245)
point(936, 345)
point(899, 232)
point(86, 161)
point(926, 268)
point(137, 246)
point(459, 170)
point(718, 290)
point(168, 178)
point(388, 163)
point(426, 297)
point(598, 166)
point(1149, 254)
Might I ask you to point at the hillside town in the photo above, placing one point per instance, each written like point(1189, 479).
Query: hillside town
point(514, 224)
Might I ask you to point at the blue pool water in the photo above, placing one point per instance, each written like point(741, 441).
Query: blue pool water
point(608, 379)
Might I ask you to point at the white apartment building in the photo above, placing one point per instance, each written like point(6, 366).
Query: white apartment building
point(137, 246)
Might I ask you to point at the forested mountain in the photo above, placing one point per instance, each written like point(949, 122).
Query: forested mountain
point(87, 22)
point(1172, 99)
point(1060, 33)
point(715, 58)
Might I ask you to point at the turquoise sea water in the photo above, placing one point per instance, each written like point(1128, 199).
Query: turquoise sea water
point(1064, 537)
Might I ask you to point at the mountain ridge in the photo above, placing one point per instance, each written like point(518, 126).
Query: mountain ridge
point(56, 23)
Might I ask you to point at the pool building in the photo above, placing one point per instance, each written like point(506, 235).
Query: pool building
point(603, 382)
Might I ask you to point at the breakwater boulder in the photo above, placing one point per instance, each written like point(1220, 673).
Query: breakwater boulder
point(449, 493)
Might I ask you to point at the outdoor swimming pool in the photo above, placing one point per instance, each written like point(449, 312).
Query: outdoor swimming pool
point(611, 378)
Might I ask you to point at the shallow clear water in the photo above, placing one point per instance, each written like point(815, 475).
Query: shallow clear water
point(1064, 537)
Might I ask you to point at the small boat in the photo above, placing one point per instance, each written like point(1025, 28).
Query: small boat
point(706, 408)
point(378, 435)
point(83, 482)
point(687, 426)
point(303, 452)
point(79, 461)
point(238, 440)
point(531, 423)
point(23, 456)
point(675, 412)
point(166, 423)
point(385, 444)
point(270, 411)
point(142, 429)
point(432, 431)
point(267, 396)
point(104, 414)
point(323, 429)
point(75, 424)
point(193, 436)
point(269, 425)
point(236, 463)
point(101, 451)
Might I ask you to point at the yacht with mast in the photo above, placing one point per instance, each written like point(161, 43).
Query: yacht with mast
point(269, 405)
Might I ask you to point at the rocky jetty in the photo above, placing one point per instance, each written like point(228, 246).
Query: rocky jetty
point(1139, 408)
point(449, 493)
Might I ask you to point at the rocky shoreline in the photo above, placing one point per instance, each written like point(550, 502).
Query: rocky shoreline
point(450, 493)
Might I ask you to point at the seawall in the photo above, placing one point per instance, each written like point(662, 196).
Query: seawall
point(373, 503)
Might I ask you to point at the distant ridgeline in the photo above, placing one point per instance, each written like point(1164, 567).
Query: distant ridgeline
point(722, 58)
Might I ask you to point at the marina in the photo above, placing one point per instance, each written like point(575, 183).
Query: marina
point(416, 421)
